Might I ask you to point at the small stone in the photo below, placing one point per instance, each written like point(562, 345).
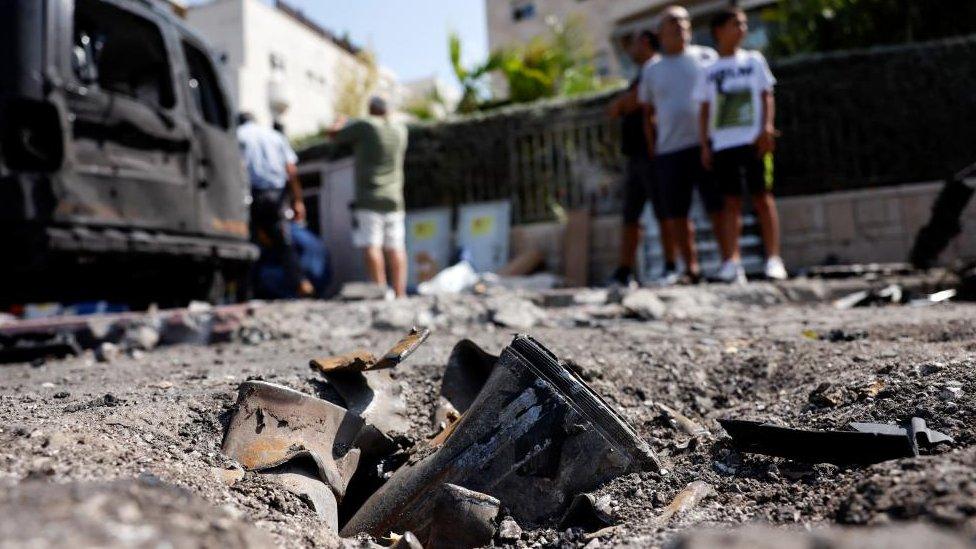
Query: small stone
point(62, 394)
point(930, 368)
point(950, 393)
point(228, 476)
point(644, 304)
point(509, 530)
point(107, 352)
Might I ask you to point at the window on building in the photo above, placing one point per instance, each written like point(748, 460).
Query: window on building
point(602, 63)
point(205, 88)
point(523, 10)
point(121, 52)
point(277, 62)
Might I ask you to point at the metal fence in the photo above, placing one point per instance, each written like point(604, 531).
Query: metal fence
point(850, 120)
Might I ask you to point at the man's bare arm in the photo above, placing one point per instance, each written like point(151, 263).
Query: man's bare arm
point(704, 120)
point(766, 142)
point(295, 186)
point(626, 104)
point(649, 128)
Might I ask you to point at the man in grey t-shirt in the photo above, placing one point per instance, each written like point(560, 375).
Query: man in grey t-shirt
point(666, 87)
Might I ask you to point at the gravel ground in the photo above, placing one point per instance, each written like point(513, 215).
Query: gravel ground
point(125, 451)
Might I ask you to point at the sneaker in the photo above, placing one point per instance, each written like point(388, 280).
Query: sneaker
point(623, 277)
point(669, 277)
point(731, 272)
point(775, 270)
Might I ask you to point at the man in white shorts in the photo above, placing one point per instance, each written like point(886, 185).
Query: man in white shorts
point(378, 219)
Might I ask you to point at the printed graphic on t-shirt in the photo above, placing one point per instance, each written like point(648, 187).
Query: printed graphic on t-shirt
point(734, 109)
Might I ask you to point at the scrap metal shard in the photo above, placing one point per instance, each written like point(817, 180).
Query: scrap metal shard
point(403, 348)
point(367, 388)
point(274, 425)
point(362, 360)
point(359, 360)
point(535, 436)
point(467, 371)
point(869, 443)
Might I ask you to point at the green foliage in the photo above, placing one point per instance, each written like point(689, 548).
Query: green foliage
point(802, 26)
point(559, 63)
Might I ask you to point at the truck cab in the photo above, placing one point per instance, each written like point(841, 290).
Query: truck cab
point(120, 173)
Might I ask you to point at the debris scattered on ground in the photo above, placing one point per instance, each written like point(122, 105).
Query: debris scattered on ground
point(897, 536)
point(588, 513)
point(868, 443)
point(532, 415)
point(363, 291)
point(514, 312)
point(301, 440)
point(644, 304)
point(455, 279)
point(685, 501)
point(509, 531)
point(683, 423)
point(121, 513)
point(359, 360)
point(890, 294)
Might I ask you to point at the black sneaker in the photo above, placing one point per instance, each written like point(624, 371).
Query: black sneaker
point(622, 277)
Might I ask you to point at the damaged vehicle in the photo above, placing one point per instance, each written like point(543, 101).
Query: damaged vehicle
point(120, 174)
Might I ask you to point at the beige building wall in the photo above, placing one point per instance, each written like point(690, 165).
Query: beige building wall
point(277, 67)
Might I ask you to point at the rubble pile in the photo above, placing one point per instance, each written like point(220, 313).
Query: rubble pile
point(522, 439)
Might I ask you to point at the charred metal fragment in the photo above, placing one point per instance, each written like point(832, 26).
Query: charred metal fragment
point(868, 443)
point(301, 440)
point(460, 518)
point(359, 360)
point(403, 348)
point(588, 513)
point(535, 436)
point(467, 371)
point(373, 395)
point(407, 541)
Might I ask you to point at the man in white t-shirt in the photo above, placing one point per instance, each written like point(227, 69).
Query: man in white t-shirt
point(737, 138)
point(666, 86)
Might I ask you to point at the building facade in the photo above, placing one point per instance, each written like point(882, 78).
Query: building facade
point(281, 66)
point(609, 24)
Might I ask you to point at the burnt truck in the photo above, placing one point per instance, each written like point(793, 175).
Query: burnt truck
point(120, 172)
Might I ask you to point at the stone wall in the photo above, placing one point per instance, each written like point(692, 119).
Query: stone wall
point(862, 226)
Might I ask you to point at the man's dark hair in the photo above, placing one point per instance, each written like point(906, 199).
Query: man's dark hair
point(723, 16)
point(651, 38)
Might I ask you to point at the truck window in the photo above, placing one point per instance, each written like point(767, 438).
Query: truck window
point(205, 88)
point(121, 52)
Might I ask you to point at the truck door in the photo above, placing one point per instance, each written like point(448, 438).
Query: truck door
point(222, 192)
point(130, 142)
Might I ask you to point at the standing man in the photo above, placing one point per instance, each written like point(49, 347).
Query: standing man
point(378, 212)
point(738, 137)
point(270, 163)
point(639, 182)
point(666, 89)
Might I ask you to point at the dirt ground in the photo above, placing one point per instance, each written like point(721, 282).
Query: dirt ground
point(127, 452)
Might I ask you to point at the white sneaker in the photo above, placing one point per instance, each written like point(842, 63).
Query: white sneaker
point(775, 270)
point(669, 278)
point(731, 272)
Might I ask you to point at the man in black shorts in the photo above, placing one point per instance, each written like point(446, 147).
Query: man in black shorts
point(666, 90)
point(639, 182)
